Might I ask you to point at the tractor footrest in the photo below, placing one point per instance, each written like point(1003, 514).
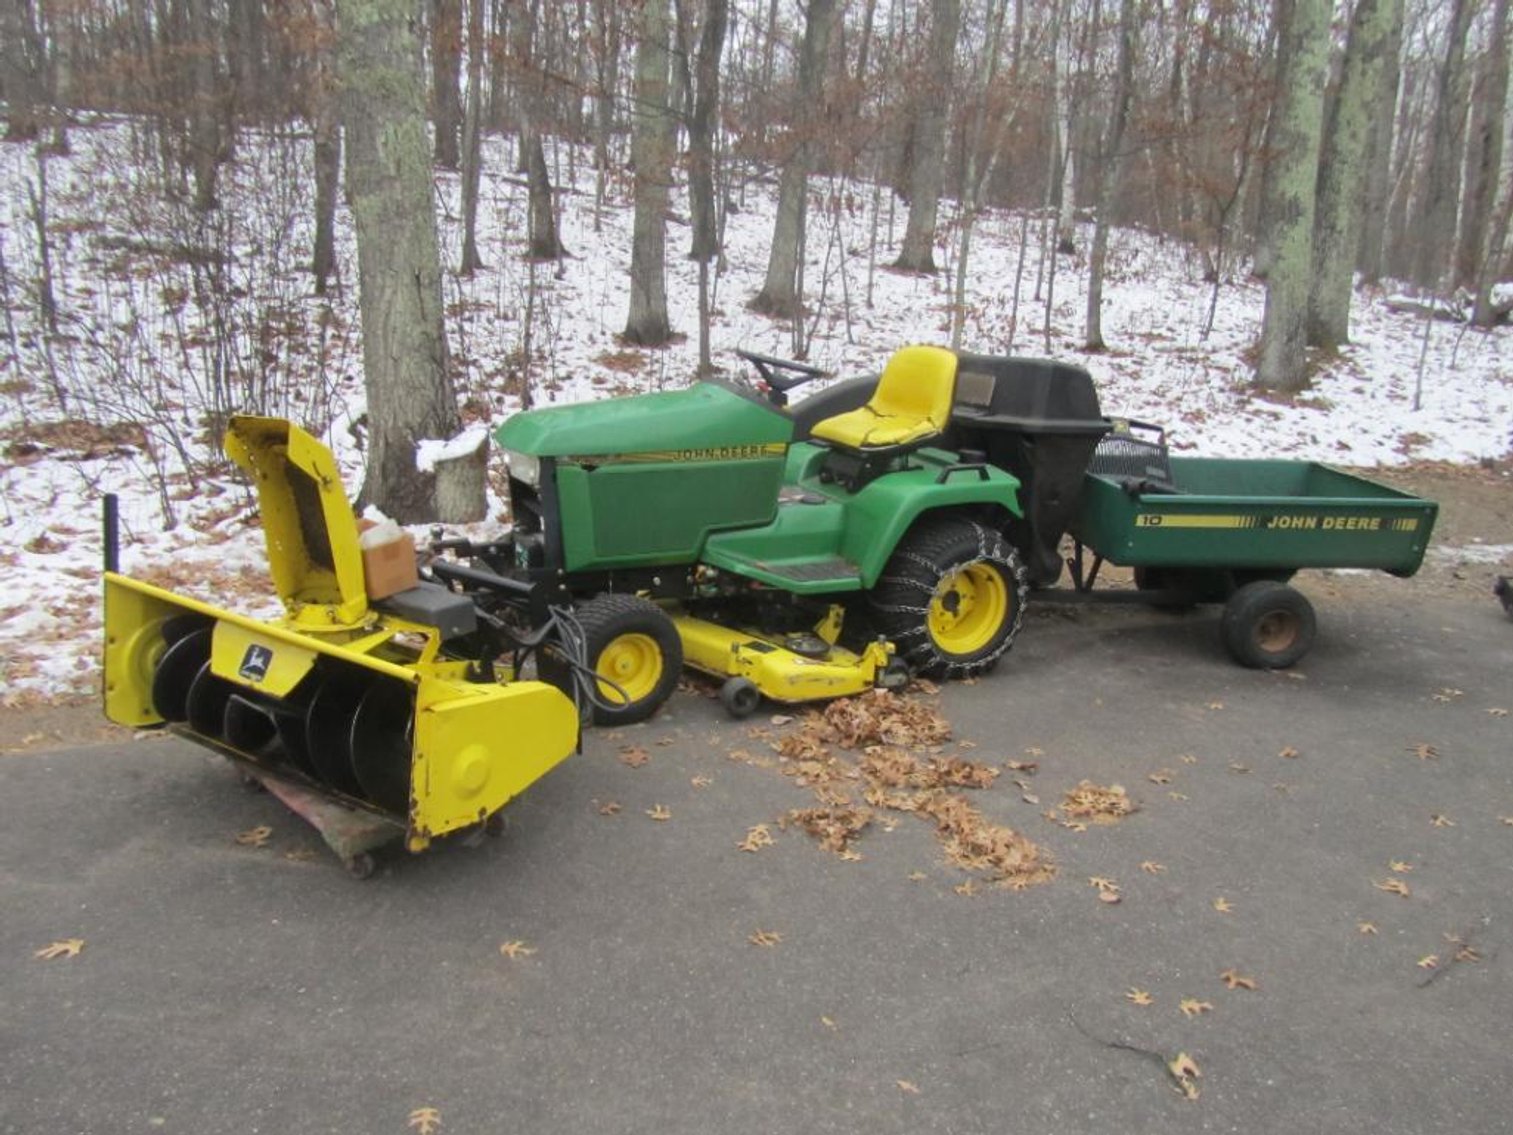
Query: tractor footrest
point(814, 571)
point(433, 605)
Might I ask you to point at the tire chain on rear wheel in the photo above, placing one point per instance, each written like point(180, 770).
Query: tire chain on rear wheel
point(913, 643)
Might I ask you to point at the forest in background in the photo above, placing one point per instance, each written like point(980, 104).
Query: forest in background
point(1311, 146)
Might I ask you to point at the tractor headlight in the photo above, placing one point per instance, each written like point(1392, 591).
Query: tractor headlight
point(524, 467)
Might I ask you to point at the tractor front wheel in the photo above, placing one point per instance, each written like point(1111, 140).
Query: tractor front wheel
point(951, 598)
point(633, 644)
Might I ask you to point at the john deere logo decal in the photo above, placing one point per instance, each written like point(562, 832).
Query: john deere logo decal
point(255, 663)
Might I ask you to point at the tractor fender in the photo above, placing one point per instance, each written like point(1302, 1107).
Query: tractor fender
point(878, 516)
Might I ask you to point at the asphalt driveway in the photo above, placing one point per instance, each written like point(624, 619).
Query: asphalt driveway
point(228, 987)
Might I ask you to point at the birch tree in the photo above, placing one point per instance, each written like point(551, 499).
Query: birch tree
point(1303, 47)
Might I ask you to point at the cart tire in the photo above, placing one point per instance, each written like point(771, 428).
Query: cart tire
point(361, 866)
point(740, 697)
point(951, 598)
point(1268, 625)
point(632, 642)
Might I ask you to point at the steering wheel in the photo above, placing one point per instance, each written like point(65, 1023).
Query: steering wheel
point(778, 383)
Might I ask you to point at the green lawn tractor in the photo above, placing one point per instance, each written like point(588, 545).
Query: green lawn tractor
point(884, 527)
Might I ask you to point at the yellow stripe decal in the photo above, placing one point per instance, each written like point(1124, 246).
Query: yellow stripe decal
point(662, 456)
point(1194, 520)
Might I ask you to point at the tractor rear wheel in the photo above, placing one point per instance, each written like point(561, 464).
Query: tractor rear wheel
point(631, 642)
point(951, 598)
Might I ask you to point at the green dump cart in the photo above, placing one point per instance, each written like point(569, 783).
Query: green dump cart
point(1202, 530)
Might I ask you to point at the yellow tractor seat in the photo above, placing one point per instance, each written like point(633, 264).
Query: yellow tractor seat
point(909, 407)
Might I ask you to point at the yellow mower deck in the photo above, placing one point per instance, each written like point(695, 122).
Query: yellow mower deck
point(775, 669)
point(351, 701)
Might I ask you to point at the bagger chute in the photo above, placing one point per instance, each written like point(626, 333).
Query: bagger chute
point(398, 707)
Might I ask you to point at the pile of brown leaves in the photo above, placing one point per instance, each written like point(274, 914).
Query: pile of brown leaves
point(1097, 803)
point(881, 717)
point(886, 727)
point(835, 826)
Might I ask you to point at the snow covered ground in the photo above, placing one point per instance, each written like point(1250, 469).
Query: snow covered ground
point(134, 349)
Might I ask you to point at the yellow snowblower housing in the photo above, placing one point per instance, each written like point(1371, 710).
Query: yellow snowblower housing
point(391, 706)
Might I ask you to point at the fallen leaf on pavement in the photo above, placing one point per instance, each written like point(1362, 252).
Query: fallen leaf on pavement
point(1289, 753)
point(756, 838)
point(1222, 905)
point(700, 781)
point(1392, 887)
point(1139, 997)
point(1233, 980)
point(1430, 962)
point(1151, 867)
point(1424, 751)
point(426, 1120)
point(1192, 1007)
point(254, 837)
point(516, 949)
point(659, 812)
point(907, 1086)
point(1099, 883)
point(1400, 867)
point(764, 938)
point(63, 948)
point(1441, 821)
point(634, 756)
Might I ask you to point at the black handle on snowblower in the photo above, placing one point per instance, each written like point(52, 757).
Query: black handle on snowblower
point(112, 533)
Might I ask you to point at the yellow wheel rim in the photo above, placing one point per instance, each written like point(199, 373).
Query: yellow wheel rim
point(634, 663)
point(968, 609)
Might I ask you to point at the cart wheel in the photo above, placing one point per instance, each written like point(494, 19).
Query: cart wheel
point(740, 697)
point(951, 598)
point(360, 866)
point(1267, 625)
point(633, 643)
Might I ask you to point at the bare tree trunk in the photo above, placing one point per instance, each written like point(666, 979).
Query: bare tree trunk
point(205, 140)
point(472, 139)
point(21, 67)
point(1495, 96)
point(1484, 159)
point(544, 244)
point(927, 171)
point(1379, 176)
point(780, 293)
point(327, 126)
point(1109, 182)
point(1342, 173)
point(1303, 47)
point(651, 154)
point(410, 393)
point(446, 66)
point(703, 87)
point(1435, 233)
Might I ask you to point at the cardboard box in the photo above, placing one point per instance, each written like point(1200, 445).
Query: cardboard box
point(390, 567)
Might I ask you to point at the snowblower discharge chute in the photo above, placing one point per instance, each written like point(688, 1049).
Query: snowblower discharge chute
point(388, 706)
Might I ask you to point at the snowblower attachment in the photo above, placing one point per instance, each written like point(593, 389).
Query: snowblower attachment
point(390, 706)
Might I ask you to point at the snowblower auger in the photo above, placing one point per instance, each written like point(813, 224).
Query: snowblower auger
point(388, 706)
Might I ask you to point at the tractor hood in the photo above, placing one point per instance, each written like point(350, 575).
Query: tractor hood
point(706, 420)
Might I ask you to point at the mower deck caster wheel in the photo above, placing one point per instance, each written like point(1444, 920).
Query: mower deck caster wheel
point(360, 866)
point(740, 697)
point(493, 827)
